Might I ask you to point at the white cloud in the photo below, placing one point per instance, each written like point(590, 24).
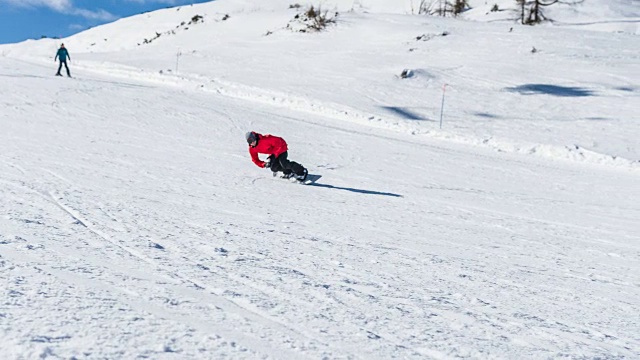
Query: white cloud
point(57, 5)
point(65, 7)
point(94, 15)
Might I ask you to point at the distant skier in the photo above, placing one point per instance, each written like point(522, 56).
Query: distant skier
point(63, 55)
point(276, 148)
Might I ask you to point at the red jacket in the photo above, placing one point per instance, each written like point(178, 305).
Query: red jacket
point(267, 144)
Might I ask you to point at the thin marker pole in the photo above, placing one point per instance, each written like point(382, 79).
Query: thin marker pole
point(444, 89)
point(177, 59)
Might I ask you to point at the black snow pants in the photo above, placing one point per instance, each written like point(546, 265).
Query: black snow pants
point(66, 66)
point(281, 163)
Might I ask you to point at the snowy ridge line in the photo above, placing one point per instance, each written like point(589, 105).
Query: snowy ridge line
point(572, 153)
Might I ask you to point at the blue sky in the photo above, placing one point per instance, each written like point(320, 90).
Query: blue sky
point(31, 19)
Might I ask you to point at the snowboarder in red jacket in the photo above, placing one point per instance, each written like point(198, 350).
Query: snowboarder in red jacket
point(276, 148)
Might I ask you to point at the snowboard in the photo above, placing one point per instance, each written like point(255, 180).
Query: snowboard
point(311, 178)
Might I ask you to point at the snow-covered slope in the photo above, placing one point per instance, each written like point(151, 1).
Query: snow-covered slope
point(133, 224)
point(488, 68)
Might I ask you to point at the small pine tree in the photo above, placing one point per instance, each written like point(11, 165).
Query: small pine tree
point(531, 11)
point(459, 6)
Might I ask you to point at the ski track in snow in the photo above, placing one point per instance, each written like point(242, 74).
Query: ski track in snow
point(170, 286)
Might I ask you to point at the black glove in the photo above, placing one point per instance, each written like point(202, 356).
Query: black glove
point(267, 163)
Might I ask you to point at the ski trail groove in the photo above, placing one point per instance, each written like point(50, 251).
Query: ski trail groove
point(211, 296)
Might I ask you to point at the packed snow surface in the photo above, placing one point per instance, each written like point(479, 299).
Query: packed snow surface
point(485, 206)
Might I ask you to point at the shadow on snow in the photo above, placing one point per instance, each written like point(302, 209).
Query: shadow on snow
point(555, 90)
point(22, 76)
point(361, 191)
point(406, 113)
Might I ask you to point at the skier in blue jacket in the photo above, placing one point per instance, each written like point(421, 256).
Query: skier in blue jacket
point(63, 54)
